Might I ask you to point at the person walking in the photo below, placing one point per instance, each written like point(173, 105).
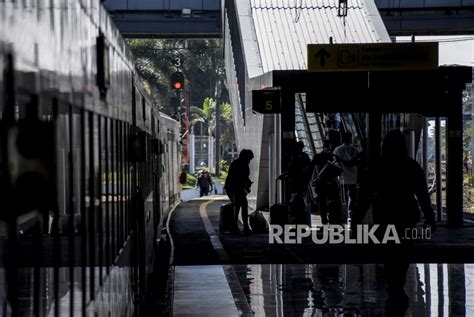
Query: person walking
point(347, 155)
point(299, 170)
point(299, 175)
point(325, 185)
point(237, 186)
point(204, 182)
point(397, 190)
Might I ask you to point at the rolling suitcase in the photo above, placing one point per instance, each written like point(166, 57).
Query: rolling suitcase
point(226, 218)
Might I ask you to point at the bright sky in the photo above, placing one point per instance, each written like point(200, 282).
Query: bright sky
point(452, 49)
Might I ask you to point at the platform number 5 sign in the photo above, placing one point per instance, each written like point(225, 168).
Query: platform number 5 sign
point(266, 101)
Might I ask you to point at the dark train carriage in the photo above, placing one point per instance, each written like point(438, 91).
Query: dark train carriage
point(88, 166)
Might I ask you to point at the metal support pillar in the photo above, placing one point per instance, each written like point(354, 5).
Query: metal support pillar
point(439, 181)
point(441, 294)
point(424, 151)
point(277, 154)
point(287, 132)
point(457, 289)
point(454, 164)
point(218, 127)
point(191, 152)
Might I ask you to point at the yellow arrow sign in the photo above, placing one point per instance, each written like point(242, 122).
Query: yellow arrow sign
point(372, 57)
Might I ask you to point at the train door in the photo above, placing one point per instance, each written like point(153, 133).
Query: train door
point(169, 168)
point(155, 175)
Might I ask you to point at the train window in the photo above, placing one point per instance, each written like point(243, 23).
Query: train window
point(26, 106)
point(62, 161)
point(77, 161)
point(103, 64)
point(138, 107)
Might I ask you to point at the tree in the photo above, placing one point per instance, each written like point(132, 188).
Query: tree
point(201, 63)
point(206, 117)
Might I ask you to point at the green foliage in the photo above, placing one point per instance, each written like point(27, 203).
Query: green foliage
point(202, 66)
point(467, 136)
point(190, 181)
point(207, 116)
point(222, 177)
point(224, 165)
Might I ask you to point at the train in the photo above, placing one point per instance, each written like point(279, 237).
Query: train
point(88, 165)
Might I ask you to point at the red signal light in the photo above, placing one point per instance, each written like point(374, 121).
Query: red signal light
point(177, 81)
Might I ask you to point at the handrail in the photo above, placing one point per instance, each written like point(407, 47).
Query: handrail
point(309, 135)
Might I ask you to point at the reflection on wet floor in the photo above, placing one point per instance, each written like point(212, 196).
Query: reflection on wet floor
point(355, 290)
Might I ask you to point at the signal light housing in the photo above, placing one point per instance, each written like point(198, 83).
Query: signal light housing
point(177, 81)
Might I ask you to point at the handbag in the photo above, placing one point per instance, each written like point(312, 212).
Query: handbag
point(258, 223)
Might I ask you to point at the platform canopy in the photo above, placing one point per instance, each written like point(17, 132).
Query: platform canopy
point(428, 92)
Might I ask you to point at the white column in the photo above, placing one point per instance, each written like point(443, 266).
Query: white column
point(211, 154)
point(191, 154)
point(277, 157)
point(472, 130)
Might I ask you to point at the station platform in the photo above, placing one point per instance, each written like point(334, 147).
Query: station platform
point(194, 228)
point(215, 274)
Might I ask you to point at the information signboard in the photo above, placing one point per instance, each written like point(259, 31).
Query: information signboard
point(372, 57)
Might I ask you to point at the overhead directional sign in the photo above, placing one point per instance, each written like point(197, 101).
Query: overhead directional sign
point(266, 101)
point(372, 57)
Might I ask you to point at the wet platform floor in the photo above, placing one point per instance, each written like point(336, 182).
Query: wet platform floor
point(305, 282)
point(320, 290)
point(194, 227)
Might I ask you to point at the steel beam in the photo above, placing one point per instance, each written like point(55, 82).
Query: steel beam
point(414, 17)
point(428, 21)
point(164, 24)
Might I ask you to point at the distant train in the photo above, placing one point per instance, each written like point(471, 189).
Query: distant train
point(88, 166)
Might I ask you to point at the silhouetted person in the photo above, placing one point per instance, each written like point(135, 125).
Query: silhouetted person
point(347, 155)
point(333, 121)
point(396, 188)
point(299, 169)
point(204, 182)
point(299, 175)
point(326, 187)
point(237, 186)
point(466, 164)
